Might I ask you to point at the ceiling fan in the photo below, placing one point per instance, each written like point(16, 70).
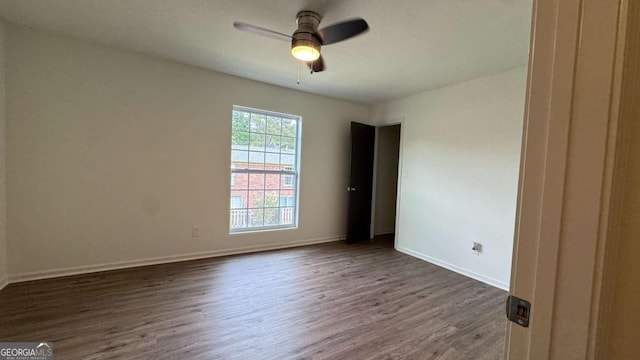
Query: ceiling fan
point(307, 40)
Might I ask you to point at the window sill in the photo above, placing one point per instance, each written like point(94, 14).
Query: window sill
point(261, 229)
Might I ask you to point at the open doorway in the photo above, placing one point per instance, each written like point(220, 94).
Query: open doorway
point(385, 184)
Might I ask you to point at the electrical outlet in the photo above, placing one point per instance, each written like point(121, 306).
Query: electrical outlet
point(476, 249)
point(196, 231)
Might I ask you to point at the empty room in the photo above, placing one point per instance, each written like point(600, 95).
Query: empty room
point(177, 186)
point(313, 179)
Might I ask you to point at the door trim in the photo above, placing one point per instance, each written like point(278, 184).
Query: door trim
point(542, 172)
point(395, 122)
point(626, 110)
point(385, 123)
point(569, 145)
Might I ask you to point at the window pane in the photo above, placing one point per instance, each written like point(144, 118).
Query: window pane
point(272, 143)
point(238, 219)
point(273, 125)
point(256, 217)
point(288, 161)
point(237, 201)
point(271, 216)
point(272, 161)
point(240, 120)
point(288, 181)
point(287, 200)
point(256, 199)
point(258, 123)
point(256, 160)
point(272, 182)
point(288, 145)
point(240, 138)
point(256, 181)
point(239, 181)
point(239, 159)
point(286, 215)
point(289, 127)
point(257, 142)
point(271, 198)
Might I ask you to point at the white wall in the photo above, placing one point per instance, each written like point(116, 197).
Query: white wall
point(386, 179)
point(3, 197)
point(114, 156)
point(461, 153)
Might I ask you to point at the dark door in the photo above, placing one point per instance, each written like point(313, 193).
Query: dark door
point(360, 182)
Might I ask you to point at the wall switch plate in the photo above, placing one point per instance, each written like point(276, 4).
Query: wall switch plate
point(196, 231)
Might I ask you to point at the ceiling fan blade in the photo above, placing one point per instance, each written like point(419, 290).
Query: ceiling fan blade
point(316, 66)
point(261, 31)
point(342, 31)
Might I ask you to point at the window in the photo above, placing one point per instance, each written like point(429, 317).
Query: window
point(264, 170)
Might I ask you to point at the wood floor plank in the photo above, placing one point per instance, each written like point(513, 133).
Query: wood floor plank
point(321, 302)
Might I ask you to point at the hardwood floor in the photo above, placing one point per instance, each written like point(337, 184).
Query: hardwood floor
point(330, 301)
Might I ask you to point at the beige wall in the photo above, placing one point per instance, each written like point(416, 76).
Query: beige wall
point(114, 156)
point(386, 179)
point(3, 197)
point(460, 162)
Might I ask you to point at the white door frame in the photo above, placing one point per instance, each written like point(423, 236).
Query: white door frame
point(385, 123)
point(375, 175)
point(567, 165)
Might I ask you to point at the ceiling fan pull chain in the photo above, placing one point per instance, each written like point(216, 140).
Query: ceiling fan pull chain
point(298, 81)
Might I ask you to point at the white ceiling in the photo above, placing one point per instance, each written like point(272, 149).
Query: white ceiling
point(412, 45)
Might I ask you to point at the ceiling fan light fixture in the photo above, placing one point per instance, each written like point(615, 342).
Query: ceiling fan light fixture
point(307, 39)
point(305, 50)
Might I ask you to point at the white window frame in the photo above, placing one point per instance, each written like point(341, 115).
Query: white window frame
point(288, 172)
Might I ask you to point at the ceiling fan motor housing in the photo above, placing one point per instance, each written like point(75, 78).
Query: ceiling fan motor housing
point(305, 35)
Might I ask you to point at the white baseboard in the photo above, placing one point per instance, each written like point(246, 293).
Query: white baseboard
point(454, 268)
point(4, 282)
point(46, 274)
point(384, 232)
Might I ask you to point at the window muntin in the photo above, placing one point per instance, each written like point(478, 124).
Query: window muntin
point(264, 170)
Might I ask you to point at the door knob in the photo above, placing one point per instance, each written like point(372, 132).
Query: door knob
point(349, 188)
